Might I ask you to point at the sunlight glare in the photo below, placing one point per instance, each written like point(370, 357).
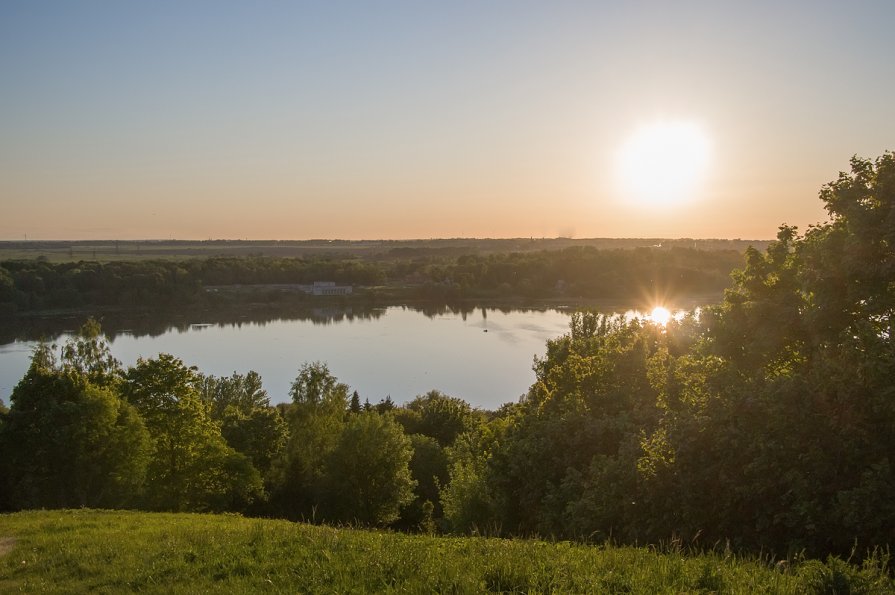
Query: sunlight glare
point(662, 163)
point(660, 315)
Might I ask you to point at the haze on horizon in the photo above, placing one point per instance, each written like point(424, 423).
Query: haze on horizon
point(396, 120)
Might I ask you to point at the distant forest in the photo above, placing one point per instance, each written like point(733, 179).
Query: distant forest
point(28, 285)
point(106, 250)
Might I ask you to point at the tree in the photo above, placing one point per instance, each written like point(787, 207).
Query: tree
point(384, 406)
point(88, 354)
point(245, 393)
point(191, 467)
point(249, 423)
point(155, 386)
point(315, 419)
point(437, 415)
point(69, 442)
point(355, 406)
point(592, 394)
point(429, 469)
point(367, 476)
point(315, 388)
point(468, 499)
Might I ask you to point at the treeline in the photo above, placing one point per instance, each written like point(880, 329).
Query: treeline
point(105, 250)
point(28, 285)
point(764, 424)
point(35, 284)
point(586, 272)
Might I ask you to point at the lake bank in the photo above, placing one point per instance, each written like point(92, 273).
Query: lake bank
point(143, 320)
point(398, 351)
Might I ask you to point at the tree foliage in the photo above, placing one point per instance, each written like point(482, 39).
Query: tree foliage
point(580, 271)
point(766, 422)
point(315, 418)
point(192, 467)
point(438, 416)
point(367, 478)
point(69, 440)
point(248, 422)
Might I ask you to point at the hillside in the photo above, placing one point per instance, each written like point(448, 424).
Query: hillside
point(90, 550)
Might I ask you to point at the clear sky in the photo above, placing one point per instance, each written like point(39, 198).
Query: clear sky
point(417, 119)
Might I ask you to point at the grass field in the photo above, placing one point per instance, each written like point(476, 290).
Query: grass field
point(104, 551)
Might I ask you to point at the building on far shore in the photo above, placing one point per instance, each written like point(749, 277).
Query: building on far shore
point(318, 288)
point(327, 288)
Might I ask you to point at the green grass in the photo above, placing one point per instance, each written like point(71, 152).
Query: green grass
point(105, 551)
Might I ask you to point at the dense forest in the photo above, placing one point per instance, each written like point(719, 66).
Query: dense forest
point(376, 250)
point(576, 272)
point(764, 423)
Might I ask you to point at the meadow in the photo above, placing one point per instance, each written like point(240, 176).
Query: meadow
point(66, 551)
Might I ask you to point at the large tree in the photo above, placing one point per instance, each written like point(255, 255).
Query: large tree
point(249, 423)
point(69, 439)
point(315, 418)
point(192, 467)
point(367, 477)
point(438, 416)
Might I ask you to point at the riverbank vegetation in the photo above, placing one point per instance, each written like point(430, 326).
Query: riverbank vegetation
point(578, 272)
point(762, 425)
point(375, 250)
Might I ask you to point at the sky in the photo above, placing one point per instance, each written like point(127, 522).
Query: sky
point(397, 120)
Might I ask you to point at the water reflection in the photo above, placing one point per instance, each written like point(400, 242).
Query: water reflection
point(34, 328)
point(157, 323)
point(481, 353)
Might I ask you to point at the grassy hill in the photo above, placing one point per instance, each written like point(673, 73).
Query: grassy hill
point(106, 551)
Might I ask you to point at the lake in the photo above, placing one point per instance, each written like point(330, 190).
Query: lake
point(483, 355)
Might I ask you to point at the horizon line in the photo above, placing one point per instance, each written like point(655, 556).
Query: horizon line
point(384, 240)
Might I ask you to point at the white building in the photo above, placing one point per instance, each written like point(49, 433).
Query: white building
point(329, 288)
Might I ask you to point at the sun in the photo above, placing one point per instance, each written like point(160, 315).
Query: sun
point(660, 315)
point(662, 163)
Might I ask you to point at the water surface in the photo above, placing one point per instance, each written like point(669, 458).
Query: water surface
point(482, 355)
